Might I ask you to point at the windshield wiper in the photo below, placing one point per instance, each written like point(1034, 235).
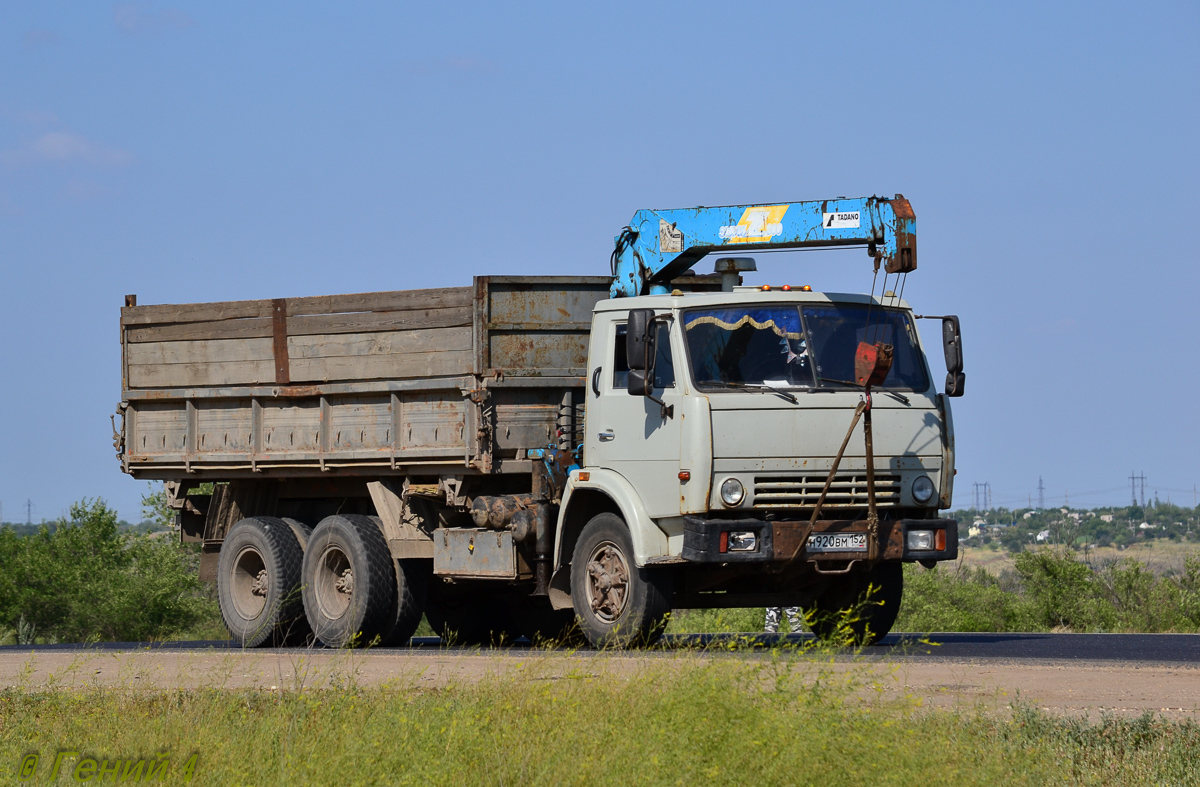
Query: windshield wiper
point(761, 387)
point(897, 396)
point(821, 379)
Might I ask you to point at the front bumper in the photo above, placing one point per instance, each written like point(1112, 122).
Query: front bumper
point(703, 541)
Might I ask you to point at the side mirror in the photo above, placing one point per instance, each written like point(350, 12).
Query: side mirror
point(952, 343)
point(639, 340)
point(640, 352)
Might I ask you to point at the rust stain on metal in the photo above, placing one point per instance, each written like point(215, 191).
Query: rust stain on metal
point(789, 538)
point(283, 374)
point(298, 390)
point(893, 541)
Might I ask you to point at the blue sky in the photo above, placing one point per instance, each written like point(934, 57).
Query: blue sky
point(215, 151)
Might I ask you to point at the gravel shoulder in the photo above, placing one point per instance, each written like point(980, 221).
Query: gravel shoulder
point(1076, 688)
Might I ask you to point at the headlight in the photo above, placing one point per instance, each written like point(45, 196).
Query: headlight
point(743, 541)
point(922, 489)
point(920, 540)
point(732, 492)
point(926, 540)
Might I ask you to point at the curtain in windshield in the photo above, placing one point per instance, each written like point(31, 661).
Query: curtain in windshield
point(747, 346)
point(797, 346)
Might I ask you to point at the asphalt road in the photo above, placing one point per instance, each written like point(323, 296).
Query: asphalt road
point(1157, 648)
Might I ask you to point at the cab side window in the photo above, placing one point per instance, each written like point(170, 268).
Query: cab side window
point(664, 365)
point(620, 361)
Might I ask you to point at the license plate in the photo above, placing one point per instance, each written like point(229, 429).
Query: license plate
point(837, 542)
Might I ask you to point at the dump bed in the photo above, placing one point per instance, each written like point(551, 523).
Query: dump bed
point(466, 377)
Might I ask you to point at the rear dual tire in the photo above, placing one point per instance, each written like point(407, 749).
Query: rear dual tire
point(355, 593)
point(258, 582)
point(281, 582)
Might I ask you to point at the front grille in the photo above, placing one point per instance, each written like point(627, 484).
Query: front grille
point(848, 490)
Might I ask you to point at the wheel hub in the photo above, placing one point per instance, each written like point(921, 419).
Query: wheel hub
point(259, 586)
point(334, 583)
point(608, 582)
point(248, 584)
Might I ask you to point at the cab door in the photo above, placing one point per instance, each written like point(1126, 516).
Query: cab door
point(629, 434)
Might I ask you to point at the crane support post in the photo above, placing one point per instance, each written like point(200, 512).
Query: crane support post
point(659, 245)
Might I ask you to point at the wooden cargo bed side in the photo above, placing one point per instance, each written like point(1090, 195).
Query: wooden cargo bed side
point(334, 338)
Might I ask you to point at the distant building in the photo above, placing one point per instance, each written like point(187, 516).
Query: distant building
point(1028, 514)
point(1043, 536)
point(1106, 517)
point(1145, 526)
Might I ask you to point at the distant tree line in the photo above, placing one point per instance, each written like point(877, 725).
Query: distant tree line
point(1018, 529)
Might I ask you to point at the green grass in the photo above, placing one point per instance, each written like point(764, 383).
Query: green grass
point(719, 621)
point(776, 720)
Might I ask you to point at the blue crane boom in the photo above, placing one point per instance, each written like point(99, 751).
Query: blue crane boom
point(659, 245)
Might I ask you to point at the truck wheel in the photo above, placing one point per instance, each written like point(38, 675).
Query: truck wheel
point(459, 618)
point(349, 582)
point(618, 604)
point(258, 583)
point(871, 618)
point(300, 530)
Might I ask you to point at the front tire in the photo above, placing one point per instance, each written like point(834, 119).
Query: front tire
point(349, 582)
point(258, 583)
point(867, 618)
point(618, 605)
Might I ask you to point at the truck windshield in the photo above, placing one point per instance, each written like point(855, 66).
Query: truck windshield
point(789, 346)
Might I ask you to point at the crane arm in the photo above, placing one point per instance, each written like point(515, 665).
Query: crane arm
point(659, 245)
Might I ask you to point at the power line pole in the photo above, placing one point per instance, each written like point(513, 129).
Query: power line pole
point(1041, 493)
point(1133, 487)
point(982, 496)
point(28, 512)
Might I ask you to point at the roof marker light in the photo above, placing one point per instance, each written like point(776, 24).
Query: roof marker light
point(786, 288)
point(766, 288)
point(806, 288)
